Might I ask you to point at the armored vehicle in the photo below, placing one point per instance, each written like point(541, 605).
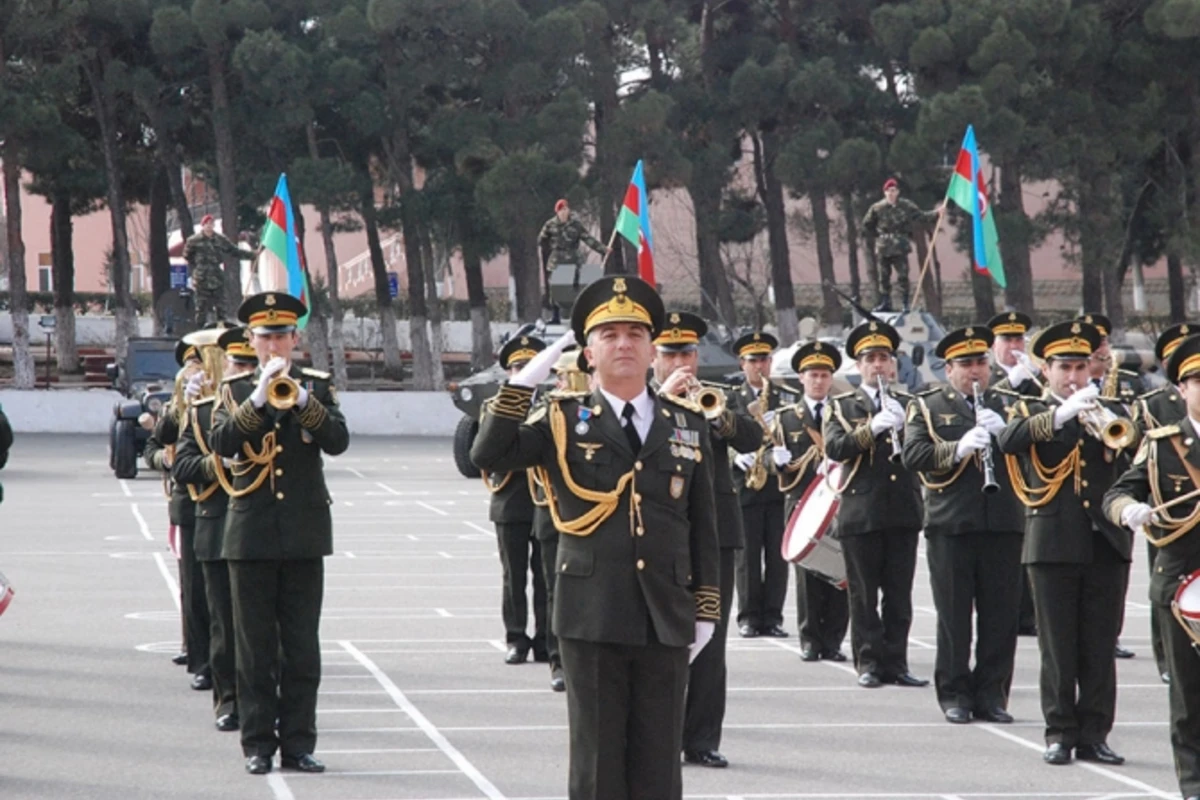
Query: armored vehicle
point(146, 378)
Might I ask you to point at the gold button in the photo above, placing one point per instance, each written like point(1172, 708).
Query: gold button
point(1158, 570)
point(641, 531)
point(1034, 512)
point(278, 448)
point(1082, 463)
point(893, 476)
point(1086, 504)
point(279, 495)
point(637, 497)
point(679, 468)
point(666, 413)
point(278, 472)
point(1188, 441)
point(637, 465)
point(564, 567)
point(276, 426)
point(641, 564)
point(1083, 484)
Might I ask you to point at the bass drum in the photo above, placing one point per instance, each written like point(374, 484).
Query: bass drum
point(807, 537)
point(1186, 605)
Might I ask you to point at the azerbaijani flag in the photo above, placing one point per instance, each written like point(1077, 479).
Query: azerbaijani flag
point(281, 245)
point(969, 192)
point(634, 223)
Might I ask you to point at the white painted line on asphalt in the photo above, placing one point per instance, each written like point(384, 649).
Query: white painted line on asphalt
point(441, 612)
point(279, 787)
point(791, 648)
point(481, 529)
point(172, 586)
point(353, 471)
point(1132, 783)
point(125, 488)
point(348, 554)
point(373, 751)
point(921, 643)
point(386, 488)
point(435, 509)
point(402, 702)
point(380, 773)
point(141, 521)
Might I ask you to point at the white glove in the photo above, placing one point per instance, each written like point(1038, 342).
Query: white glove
point(1136, 515)
point(704, 633)
point(893, 405)
point(884, 420)
point(194, 385)
point(302, 398)
point(769, 418)
point(744, 461)
point(990, 421)
point(1022, 371)
point(781, 455)
point(539, 367)
point(975, 439)
point(227, 462)
point(1077, 402)
point(273, 368)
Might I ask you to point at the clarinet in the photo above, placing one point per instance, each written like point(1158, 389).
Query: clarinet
point(989, 468)
point(896, 455)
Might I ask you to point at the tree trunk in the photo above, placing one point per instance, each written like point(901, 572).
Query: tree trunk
point(389, 343)
point(1175, 289)
point(716, 299)
point(849, 214)
point(771, 191)
point(522, 260)
point(418, 311)
point(831, 311)
point(437, 335)
point(23, 366)
point(1114, 304)
point(1092, 222)
point(160, 257)
point(1014, 239)
point(62, 256)
point(102, 102)
point(481, 327)
point(226, 173)
point(336, 334)
point(607, 167)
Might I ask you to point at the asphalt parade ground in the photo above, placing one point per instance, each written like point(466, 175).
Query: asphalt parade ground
point(416, 702)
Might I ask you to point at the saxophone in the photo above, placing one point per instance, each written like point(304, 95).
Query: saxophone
point(1110, 386)
point(756, 476)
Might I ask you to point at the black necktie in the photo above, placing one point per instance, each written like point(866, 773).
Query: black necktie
point(878, 401)
point(817, 410)
point(635, 441)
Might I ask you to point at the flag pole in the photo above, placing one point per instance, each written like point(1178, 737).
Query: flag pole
point(928, 256)
point(611, 239)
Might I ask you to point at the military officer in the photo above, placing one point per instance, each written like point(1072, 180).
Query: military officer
point(1104, 370)
point(881, 511)
point(204, 251)
point(159, 454)
point(511, 511)
point(1167, 467)
point(761, 573)
point(822, 609)
point(675, 374)
point(197, 468)
point(278, 529)
point(630, 477)
point(889, 224)
point(973, 530)
point(1077, 560)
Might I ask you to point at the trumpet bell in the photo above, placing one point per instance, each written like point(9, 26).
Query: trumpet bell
point(1118, 434)
point(711, 402)
point(282, 393)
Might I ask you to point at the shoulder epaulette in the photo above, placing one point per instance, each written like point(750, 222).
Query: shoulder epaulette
point(315, 373)
point(564, 394)
point(1129, 373)
point(930, 390)
point(899, 393)
point(844, 395)
point(205, 401)
point(1163, 432)
point(683, 402)
point(238, 377)
point(1006, 392)
point(1151, 393)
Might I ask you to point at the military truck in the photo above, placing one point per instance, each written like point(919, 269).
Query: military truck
point(146, 378)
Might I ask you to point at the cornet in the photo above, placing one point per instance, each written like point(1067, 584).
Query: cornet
point(282, 392)
point(710, 399)
point(1114, 431)
point(896, 453)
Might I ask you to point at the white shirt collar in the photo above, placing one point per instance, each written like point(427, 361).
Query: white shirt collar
point(643, 410)
point(1195, 425)
point(812, 404)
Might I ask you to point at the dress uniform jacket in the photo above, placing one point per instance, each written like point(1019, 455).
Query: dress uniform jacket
point(181, 510)
point(511, 511)
point(1160, 456)
point(744, 396)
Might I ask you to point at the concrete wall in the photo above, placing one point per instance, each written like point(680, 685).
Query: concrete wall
point(367, 413)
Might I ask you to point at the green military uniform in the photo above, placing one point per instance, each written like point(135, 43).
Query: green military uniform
point(972, 542)
point(878, 521)
point(637, 558)
point(822, 609)
point(1077, 560)
point(1165, 468)
point(205, 254)
point(278, 529)
point(547, 545)
point(890, 225)
point(559, 241)
point(511, 511)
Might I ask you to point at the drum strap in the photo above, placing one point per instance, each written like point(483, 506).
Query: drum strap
point(1173, 527)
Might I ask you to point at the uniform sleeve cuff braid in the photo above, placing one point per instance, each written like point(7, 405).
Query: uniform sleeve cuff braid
point(247, 417)
point(511, 402)
point(314, 413)
point(708, 603)
point(863, 436)
point(943, 455)
point(1041, 426)
point(1118, 506)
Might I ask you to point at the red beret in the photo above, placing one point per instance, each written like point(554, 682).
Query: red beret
point(889, 183)
point(207, 218)
point(560, 205)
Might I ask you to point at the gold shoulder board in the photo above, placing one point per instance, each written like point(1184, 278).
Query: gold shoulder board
point(232, 378)
point(1163, 432)
point(844, 395)
point(1151, 393)
point(315, 373)
point(564, 394)
point(683, 402)
point(205, 401)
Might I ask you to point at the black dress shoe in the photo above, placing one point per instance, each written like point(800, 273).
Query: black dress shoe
point(1121, 652)
point(1027, 630)
point(996, 714)
point(748, 631)
point(201, 682)
point(959, 716)
point(809, 654)
point(258, 765)
point(869, 680)
point(905, 679)
point(1165, 678)
point(227, 722)
point(705, 758)
point(558, 681)
point(1098, 752)
point(179, 658)
point(516, 654)
point(1057, 754)
point(301, 763)
point(774, 631)
point(833, 655)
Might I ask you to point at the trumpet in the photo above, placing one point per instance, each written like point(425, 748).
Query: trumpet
point(1114, 431)
point(990, 486)
point(710, 399)
point(896, 454)
point(282, 392)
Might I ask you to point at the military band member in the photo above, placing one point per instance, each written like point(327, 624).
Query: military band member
point(889, 225)
point(675, 367)
point(822, 609)
point(761, 572)
point(972, 535)
point(630, 476)
point(511, 511)
point(202, 473)
point(1167, 467)
point(1104, 368)
point(278, 530)
point(881, 511)
point(1077, 559)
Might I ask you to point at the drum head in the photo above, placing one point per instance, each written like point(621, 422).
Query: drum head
point(1187, 596)
point(812, 516)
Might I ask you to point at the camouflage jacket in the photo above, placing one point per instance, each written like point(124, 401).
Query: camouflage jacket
point(204, 255)
point(561, 240)
point(891, 225)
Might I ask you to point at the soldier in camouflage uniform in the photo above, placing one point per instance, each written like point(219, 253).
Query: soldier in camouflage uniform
point(204, 252)
point(889, 224)
point(559, 243)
